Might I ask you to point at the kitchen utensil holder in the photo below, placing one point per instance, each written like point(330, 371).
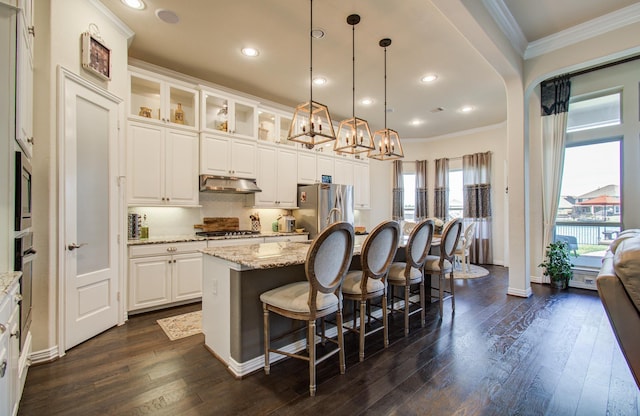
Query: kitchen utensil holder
point(255, 225)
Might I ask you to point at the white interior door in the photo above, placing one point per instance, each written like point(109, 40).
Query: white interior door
point(90, 210)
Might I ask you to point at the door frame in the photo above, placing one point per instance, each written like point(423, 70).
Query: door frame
point(65, 76)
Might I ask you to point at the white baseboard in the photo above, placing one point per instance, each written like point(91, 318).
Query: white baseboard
point(519, 292)
point(44, 356)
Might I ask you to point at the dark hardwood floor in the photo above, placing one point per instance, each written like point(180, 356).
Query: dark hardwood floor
point(551, 354)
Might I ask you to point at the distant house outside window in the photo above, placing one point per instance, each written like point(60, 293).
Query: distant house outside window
point(456, 192)
point(409, 196)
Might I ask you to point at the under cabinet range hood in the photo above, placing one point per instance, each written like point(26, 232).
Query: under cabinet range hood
point(227, 184)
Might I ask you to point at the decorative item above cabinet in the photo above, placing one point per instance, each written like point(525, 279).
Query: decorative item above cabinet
point(154, 99)
point(224, 113)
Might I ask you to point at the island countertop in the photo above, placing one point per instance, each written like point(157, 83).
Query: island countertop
point(262, 256)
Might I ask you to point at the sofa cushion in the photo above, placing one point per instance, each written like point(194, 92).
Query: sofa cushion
point(626, 263)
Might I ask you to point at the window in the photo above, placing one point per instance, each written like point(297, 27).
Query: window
point(592, 113)
point(456, 192)
point(589, 212)
point(409, 196)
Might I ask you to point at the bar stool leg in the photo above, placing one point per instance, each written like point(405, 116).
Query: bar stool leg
point(361, 332)
point(312, 356)
point(340, 341)
point(441, 292)
point(385, 319)
point(422, 312)
point(265, 316)
point(453, 296)
point(406, 309)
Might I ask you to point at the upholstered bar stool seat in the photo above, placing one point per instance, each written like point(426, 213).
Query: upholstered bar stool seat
point(351, 284)
point(294, 297)
point(408, 273)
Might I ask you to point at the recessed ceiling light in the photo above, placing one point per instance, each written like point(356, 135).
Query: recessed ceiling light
point(250, 52)
point(366, 101)
point(429, 78)
point(167, 16)
point(319, 81)
point(317, 33)
point(134, 4)
point(416, 122)
point(466, 109)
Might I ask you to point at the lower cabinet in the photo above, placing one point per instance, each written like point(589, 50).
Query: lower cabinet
point(161, 274)
point(10, 387)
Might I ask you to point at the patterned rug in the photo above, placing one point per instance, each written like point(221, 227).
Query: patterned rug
point(181, 326)
point(476, 271)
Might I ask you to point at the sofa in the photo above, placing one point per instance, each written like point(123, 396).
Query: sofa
point(618, 285)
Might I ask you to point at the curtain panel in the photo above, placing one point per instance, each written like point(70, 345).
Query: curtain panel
point(554, 99)
point(397, 209)
point(422, 200)
point(441, 191)
point(476, 178)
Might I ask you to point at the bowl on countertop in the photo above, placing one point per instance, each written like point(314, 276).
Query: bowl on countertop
point(299, 230)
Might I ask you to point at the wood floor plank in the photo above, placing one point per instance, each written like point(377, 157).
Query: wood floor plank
point(553, 353)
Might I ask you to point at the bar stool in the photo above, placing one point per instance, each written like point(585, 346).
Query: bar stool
point(443, 264)
point(410, 272)
point(362, 286)
point(326, 265)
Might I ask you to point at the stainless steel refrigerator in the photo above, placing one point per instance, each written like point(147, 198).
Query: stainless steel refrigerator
point(322, 204)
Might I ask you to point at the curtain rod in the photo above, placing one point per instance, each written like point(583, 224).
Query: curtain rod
point(596, 68)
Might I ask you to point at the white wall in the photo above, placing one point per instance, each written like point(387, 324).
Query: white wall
point(493, 139)
point(59, 25)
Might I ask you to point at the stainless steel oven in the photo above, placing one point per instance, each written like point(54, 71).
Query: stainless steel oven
point(24, 257)
point(23, 193)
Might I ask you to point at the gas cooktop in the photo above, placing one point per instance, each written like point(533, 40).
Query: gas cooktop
point(226, 233)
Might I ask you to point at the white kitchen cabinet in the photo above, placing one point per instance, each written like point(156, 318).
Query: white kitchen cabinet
point(228, 114)
point(343, 171)
point(273, 126)
point(161, 100)
point(227, 156)
point(277, 167)
point(24, 77)
point(361, 185)
point(10, 387)
point(161, 274)
point(162, 166)
point(325, 166)
point(307, 170)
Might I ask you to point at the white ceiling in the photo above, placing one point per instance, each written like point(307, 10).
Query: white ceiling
point(206, 43)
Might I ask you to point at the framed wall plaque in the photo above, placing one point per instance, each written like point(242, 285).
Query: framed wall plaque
point(96, 56)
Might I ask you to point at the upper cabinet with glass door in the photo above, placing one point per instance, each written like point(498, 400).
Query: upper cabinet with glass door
point(156, 99)
point(228, 114)
point(273, 126)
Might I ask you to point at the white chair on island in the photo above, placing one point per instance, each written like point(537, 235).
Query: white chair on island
point(464, 245)
point(410, 272)
point(326, 265)
point(361, 286)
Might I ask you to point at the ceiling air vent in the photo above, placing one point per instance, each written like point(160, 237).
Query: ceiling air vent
point(437, 109)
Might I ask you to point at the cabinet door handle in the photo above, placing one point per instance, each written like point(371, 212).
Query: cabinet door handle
point(30, 140)
point(3, 368)
point(16, 334)
point(74, 246)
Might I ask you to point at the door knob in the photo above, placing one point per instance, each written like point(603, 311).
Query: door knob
point(74, 246)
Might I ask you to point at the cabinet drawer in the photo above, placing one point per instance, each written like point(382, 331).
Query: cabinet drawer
point(163, 249)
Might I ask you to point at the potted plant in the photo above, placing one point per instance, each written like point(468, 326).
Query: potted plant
point(557, 264)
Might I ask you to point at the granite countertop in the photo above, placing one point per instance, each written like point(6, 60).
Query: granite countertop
point(266, 255)
point(6, 280)
point(262, 256)
point(192, 237)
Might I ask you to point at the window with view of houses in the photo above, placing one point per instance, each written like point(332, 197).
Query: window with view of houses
point(589, 210)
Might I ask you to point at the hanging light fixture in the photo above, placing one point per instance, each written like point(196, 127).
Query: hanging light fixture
point(386, 142)
point(311, 124)
point(354, 135)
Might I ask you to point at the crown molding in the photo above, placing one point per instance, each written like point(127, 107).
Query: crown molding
point(507, 23)
point(596, 27)
point(119, 24)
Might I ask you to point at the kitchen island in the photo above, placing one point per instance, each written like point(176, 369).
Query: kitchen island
point(233, 279)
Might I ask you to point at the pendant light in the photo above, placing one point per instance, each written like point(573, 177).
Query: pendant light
point(311, 123)
point(354, 135)
point(386, 142)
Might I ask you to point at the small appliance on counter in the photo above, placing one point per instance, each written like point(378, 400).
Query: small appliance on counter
point(287, 223)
